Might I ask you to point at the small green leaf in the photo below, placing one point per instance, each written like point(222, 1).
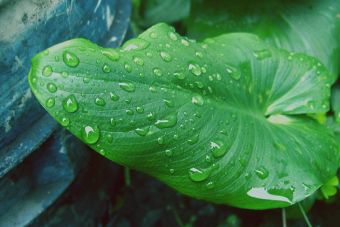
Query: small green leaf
point(213, 119)
point(307, 26)
point(330, 188)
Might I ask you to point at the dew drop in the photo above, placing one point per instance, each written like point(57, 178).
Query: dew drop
point(138, 61)
point(167, 122)
point(142, 131)
point(64, 74)
point(169, 103)
point(149, 54)
point(50, 102)
point(172, 171)
point(86, 80)
point(195, 69)
point(218, 76)
point(114, 97)
point(111, 54)
point(47, 71)
point(106, 68)
point(172, 36)
point(70, 59)
point(153, 35)
point(262, 54)
point(100, 102)
point(262, 172)
point(185, 42)
point(90, 134)
point(179, 75)
point(166, 56)
point(51, 87)
point(160, 140)
point(218, 148)
point(65, 121)
point(198, 175)
point(233, 72)
point(199, 84)
point(113, 122)
point(193, 140)
point(135, 44)
point(45, 52)
point(311, 104)
point(157, 72)
point(129, 112)
point(210, 185)
point(151, 116)
point(128, 87)
point(127, 67)
point(70, 104)
point(139, 109)
point(199, 54)
point(109, 138)
point(197, 100)
point(168, 153)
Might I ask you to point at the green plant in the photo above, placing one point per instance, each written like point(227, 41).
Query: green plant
point(226, 120)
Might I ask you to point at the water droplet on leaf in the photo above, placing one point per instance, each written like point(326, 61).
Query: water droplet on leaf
point(172, 36)
point(70, 104)
point(100, 102)
point(111, 54)
point(106, 68)
point(127, 67)
point(167, 122)
point(51, 87)
point(166, 56)
point(262, 54)
point(128, 87)
point(195, 69)
point(142, 131)
point(65, 121)
point(47, 70)
point(138, 61)
point(50, 102)
point(179, 75)
point(233, 72)
point(198, 175)
point(197, 100)
point(90, 134)
point(135, 44)
point(157, 72)
point(114, 97)
point(218, 148)
point(70, 59)
point(262, 172)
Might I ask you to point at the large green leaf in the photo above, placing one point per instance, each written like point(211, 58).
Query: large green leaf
point(308, 26)
point(222, 120)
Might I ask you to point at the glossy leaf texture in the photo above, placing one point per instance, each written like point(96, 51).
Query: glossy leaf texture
point(307, 26)
point(222, 120)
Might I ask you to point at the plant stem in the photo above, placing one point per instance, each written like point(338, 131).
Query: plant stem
point(127, 177)
point(284, 219)
point(305, 216)
point(177, 218)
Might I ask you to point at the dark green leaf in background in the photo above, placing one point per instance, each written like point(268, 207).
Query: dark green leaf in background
point(169, 11)
point(223, 120)
point(307, 26)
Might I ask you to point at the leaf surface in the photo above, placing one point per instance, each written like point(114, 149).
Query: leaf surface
point(223, 120)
